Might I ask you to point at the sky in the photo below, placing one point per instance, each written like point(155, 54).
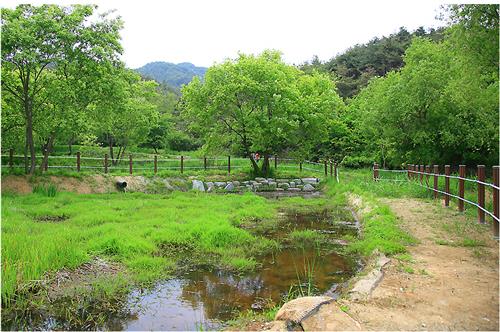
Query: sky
point(208, 32)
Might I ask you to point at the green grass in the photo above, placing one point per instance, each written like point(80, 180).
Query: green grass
point(144, 232)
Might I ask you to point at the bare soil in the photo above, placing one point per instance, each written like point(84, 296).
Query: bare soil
point(449, 284)
point(23, 184)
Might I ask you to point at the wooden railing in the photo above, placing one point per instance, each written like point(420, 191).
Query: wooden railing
point(420, 175)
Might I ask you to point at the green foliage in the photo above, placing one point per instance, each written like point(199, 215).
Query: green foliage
point(260, 104)
point(359, 64)
point(441, 107)
point(45, 190)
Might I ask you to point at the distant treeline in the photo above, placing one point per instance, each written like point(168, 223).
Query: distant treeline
point(427, 96)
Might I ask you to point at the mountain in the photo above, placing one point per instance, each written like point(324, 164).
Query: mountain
point(170, 73)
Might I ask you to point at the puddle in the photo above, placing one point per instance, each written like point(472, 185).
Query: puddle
point(206, 299)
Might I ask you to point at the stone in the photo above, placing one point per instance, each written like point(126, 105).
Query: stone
point(284, 185)
point(198, 185)
point(260, 179)
point(245, 182)
point(300, 186)
point(293, 189)
point(308, 187)
point(270, 179)
point(292, 184)
point(272, 185)
point(229, 187)
point(364, 287)
point(330, 317)
point(236, 183)
point(264, 182)
point(282, 180)
point(297, 181)
point(278, 325)
point(220, 184)
point(249, 187)
point(299, 309)
point(280, 189)
point(310, 180)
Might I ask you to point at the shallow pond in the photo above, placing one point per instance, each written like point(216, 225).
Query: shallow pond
point(206, 299)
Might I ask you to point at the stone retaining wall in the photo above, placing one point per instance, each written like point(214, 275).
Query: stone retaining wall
point(258, 185)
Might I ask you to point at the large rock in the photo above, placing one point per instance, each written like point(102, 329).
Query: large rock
point(210, 187)
point(292, 184)
point(229, 187)
point(282, 180)
point(260, 179)
point(310, 180)
point(236, 183)
point(198, 185)
point(330, 318)
point(220, 184)
point(308, 187)
point(299, 309)
point(284, 185)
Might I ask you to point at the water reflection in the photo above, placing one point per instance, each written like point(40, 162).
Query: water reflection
point(205, 299)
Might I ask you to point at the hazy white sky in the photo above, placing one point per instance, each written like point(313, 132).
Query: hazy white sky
point(204, 32)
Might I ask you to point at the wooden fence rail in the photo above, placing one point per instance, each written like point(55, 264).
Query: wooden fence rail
point(415, 174)
point(181, 164)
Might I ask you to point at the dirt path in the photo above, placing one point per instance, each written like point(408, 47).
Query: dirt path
point(448, 283)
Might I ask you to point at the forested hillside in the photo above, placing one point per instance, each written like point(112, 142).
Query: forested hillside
point(422, 97)
point(172, 74)
point(355, 67)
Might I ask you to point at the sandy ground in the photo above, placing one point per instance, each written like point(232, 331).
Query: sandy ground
point(449, 287)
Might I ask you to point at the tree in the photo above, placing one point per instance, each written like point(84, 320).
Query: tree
point(39, 40)
point(126, 112)
point(260, 104)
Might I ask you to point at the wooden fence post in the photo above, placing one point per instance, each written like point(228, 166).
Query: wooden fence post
point(480, 193)
point(436, 172)
point(331, 168)
point(300, 166)
point(375, 171)
point(182, 164)
point(421, 174)
point(496, 212)
point(447, 185)
point(229, 164)
point(156, 164)
point(408, 171)
point(78, 161)
point(275, 162)
point(205, 163)
point(461, 187)
point(130, 164)
point(105, 163)
point(326, 169)
point(11, 159)
point(427, 171)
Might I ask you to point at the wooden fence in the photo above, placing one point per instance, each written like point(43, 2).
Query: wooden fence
point(420, 175)
point(180, 164)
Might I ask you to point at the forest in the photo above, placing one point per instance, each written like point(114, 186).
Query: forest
point(426, 96)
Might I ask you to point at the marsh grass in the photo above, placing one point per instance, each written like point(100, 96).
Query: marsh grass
point(142, 232)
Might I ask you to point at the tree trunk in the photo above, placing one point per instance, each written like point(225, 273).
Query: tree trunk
point(255, 166)
point(110, 144)
point(29, 135)
point(70, 146)
point(48, 150)
point(265, 165)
